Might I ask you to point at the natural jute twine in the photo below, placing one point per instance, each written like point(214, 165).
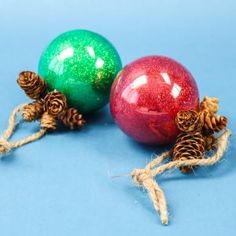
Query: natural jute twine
point(146, 177)
point(5, 145)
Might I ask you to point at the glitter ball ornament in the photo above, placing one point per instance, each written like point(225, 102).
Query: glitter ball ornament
point(82, 65)
point(146, 96)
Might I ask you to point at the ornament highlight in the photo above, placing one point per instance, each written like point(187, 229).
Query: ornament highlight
point(146, 96)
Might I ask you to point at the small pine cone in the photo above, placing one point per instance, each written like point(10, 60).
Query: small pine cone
point(210, 142)
point(33, 111)
point(212, 123)
point(73, 119)
point(189, 146)
point(188, 121)
point(210, 104)
point(48, 122)
point(33, 85)
point(55, 104)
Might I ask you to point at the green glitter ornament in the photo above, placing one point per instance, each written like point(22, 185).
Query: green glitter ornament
point(82, 65)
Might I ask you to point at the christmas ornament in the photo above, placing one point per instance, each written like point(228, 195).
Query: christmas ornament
point(82, 65)
point(75, 75)
point(155, 101)
point(146, 96)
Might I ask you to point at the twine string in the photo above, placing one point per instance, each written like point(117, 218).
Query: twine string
point(146, 177)
point(5, 145)
point(12, 122)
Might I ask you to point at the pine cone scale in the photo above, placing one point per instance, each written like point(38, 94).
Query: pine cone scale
point(73, 119)
point(33, 111)
point(55, 103)
point(190, 144)
point(48, 122)
point(34, 86)
point(212, 123)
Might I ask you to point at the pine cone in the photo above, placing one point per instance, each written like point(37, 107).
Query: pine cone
point(212, 123)
point(210, 142)
point(188, 121)
point(34, 86)
point(48, 122)
point(33, 111)
point(188, 146)
point(73, 119)
point(210, 104)
point(55, 104)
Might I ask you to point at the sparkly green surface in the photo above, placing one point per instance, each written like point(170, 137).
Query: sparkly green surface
point(82, 65)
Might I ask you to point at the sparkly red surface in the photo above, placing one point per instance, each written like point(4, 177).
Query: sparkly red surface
point(146, 96)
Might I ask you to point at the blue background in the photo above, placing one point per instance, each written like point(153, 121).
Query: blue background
point(62, 184)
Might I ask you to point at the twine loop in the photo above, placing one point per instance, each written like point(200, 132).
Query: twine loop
point(146, 177)
point(5, 146)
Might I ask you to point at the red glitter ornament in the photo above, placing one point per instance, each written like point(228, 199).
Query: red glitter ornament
point(147, 95)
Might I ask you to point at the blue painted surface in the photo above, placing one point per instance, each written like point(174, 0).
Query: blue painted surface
point(62, 185)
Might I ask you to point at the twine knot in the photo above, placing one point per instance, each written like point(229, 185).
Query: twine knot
point(139, 176)
point(5, 146)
